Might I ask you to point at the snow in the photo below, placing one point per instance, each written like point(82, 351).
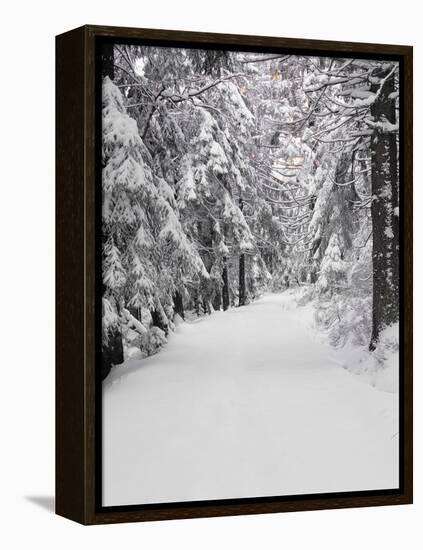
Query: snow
point(380, 368)
point(389, 233)
point(133, 323)
point(243, 403)
point(113, 272)
point(241, 112)
point(186, 185)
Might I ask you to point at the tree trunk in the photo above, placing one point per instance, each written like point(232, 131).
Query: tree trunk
point(178, 304)
point(225, 288)
point(112, 350)
point(107, 61)
point(135, 312)
point(159, 318)
point(217, 301)
point(196, 302)
point(384, 212)
point(242, 280)
point(112, 353)
point(241, 291)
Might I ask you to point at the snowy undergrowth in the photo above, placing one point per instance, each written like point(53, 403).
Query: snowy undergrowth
point(345, 322)
point(143, 339)
point(381, 367)
point(140, 340)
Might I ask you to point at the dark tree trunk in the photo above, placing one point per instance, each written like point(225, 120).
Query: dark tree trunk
point(384, 212)
point(112, 353)
point(217, 301)
point(178, 304)
point(107, 61)
point(242, 280)
point(268, 260)
point(196, 302)
point(135, 312)
point(225, 288)
point(159, 319)
point(241, 290)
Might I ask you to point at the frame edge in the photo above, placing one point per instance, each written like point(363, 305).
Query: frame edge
point(70, 279)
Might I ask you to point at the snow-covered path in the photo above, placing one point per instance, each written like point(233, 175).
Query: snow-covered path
point(244, 403)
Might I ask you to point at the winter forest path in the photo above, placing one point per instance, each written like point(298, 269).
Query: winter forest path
point(249, 402)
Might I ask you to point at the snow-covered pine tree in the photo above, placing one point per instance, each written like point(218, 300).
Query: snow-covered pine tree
point(147, 256)
point(333, 269)
point(126, 233)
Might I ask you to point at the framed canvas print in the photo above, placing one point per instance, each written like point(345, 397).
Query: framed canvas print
point(234, 275)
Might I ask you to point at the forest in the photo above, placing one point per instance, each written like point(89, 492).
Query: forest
point(229, 175)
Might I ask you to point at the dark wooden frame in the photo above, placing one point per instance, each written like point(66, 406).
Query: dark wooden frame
point(76, 408)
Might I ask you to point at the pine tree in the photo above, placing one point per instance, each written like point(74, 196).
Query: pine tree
point(148, 258)
point(333, 269)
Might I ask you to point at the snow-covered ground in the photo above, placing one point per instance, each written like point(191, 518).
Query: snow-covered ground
point(250, 402)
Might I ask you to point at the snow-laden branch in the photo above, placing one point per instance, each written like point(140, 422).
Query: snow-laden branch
point(329, 73)
point(177, 98)
point(262, 59)
point(353, 79)
point(383, 126)
point(346, 183)
point(370, 99)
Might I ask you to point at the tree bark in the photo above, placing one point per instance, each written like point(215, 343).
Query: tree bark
point(196, 302)
point(135, 312)
point(158, 321)
point(159, 318)
point(178, 304)
point(242, 280)
point(225, 288)
point(107, 61)
point(217, 301)
point(384, 212)
point(241, 290)
point(112, 353)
